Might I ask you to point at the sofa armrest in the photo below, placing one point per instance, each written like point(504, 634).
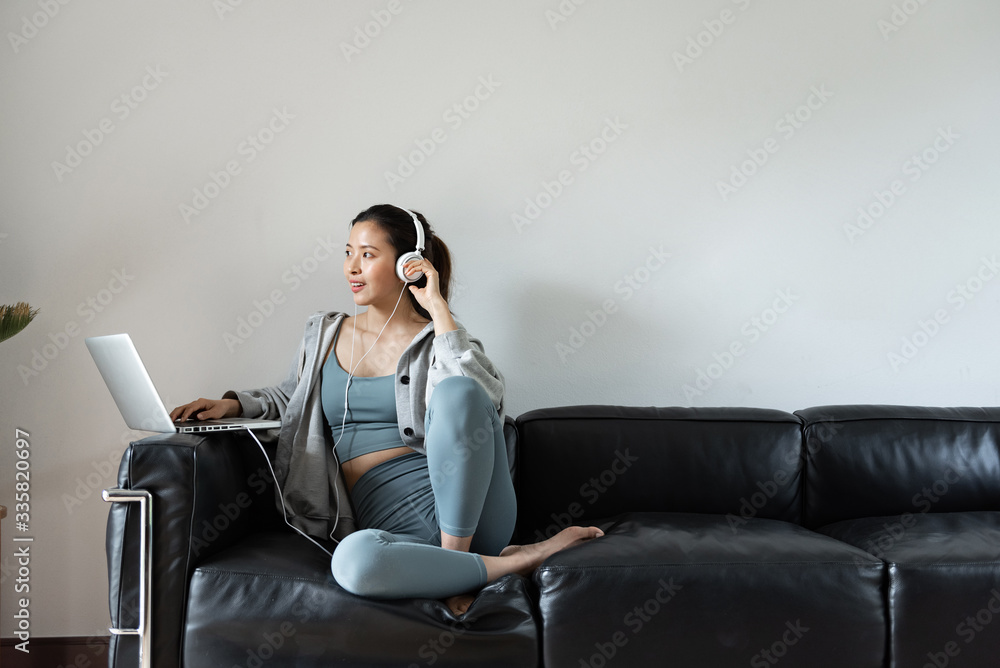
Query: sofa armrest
point(207, 492)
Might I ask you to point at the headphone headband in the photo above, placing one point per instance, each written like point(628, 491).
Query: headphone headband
point(420, 231)
point(412, 255)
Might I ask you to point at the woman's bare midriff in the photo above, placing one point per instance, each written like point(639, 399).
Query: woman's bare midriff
point(355, 468)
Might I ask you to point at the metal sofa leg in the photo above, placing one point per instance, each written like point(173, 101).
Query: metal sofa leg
point(145, 628)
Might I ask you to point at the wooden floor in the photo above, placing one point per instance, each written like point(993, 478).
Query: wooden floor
point(72, 652)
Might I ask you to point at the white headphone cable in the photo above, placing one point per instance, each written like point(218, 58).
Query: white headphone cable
point(352, 367)
point(281, 495)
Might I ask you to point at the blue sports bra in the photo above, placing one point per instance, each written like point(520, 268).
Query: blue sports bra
point(372, 424)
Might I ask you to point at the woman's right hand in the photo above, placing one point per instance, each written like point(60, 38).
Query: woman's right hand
point(207, 409)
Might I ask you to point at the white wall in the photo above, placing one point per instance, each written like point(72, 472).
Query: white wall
point(548, 296)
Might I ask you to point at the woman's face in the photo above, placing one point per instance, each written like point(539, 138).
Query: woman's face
point(370, 265)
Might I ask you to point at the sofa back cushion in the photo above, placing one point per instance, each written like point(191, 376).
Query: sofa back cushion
point(578, 464)
point(875, 461)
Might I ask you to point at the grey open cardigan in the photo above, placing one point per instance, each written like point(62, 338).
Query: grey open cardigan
point(305, 467)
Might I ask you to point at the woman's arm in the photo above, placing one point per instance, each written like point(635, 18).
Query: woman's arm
point(455, 352)
point(458, 354)
point(429, 296)
point(267, 403)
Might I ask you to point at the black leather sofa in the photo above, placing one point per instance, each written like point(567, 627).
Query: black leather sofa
point(838, 536)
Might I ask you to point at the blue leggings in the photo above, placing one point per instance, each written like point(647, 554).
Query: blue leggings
point(470, 493)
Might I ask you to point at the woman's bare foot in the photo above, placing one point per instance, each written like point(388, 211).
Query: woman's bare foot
point(459, 605)
point(524, 559)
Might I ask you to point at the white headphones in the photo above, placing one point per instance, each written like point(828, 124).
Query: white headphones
point(412, 255)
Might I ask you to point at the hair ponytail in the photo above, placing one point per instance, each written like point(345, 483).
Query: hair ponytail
point(440, 257)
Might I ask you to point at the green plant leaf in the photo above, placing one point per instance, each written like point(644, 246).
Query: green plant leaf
point(15, 318)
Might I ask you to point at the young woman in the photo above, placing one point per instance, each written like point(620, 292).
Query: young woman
point(392, 429)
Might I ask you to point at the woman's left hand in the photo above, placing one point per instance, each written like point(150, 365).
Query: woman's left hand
point(429, 296)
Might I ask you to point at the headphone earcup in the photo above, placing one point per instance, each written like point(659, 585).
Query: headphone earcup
point(403, 259)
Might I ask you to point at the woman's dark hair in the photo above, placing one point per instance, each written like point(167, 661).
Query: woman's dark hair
point(398, 227)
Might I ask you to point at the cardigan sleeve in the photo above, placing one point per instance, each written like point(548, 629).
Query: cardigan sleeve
point(269, 403)
point(458, 354)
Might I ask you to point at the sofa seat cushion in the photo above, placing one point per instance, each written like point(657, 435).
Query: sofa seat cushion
point(271, 600)
point(944, 583)
point(696, 590)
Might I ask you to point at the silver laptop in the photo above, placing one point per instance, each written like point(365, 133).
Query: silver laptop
point(133, 391)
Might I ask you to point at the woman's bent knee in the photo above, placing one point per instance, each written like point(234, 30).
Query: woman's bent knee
point(460, 390)
point(462, 410)
point(354, 560)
